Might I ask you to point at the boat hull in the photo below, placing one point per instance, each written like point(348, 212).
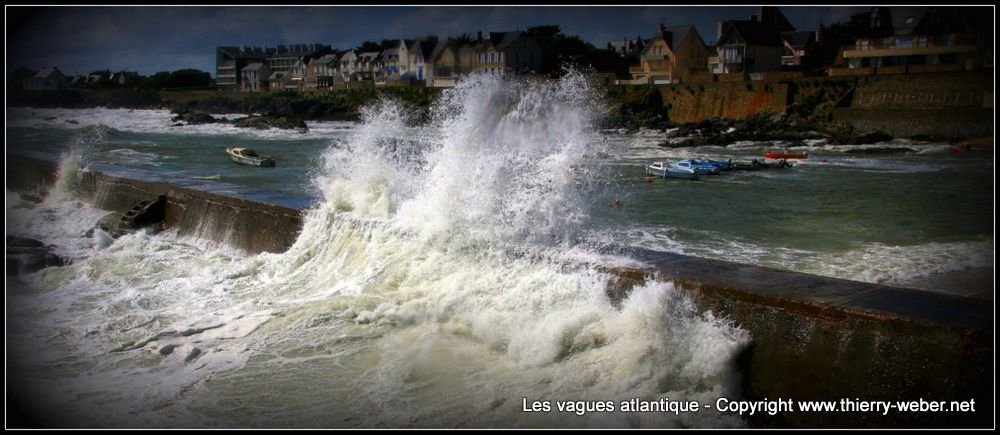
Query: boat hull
point(249, 161)
point(671, 173)
point(774, 155)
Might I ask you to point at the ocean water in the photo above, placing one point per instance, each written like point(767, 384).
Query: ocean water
point(445, 273)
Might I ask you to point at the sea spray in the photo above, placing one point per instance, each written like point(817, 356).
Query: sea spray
point(436, 285)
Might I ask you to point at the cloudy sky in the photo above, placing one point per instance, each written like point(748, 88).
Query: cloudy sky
point(150, 39)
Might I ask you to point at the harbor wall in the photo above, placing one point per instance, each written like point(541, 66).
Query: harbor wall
point(731, 100)
point(239, 223)
point(938, 105)
point(813, 337)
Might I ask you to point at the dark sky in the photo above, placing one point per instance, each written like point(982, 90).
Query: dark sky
point(151, 39)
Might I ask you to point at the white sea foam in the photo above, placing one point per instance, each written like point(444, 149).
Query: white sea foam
point(876, 263)
point(159, 121)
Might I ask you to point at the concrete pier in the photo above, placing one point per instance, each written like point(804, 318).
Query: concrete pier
point(814, 338)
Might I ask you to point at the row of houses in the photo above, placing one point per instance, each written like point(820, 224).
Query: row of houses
point(895, 39)
point(430, 60)
point(51, 79)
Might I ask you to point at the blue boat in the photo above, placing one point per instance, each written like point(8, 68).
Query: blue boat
point(723, 165)
point(661, 170)
point(700, 168)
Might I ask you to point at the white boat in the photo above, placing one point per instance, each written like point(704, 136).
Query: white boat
point(249, 157)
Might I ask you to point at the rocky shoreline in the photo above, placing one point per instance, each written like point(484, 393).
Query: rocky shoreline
point(259, 122)
point(788, 128)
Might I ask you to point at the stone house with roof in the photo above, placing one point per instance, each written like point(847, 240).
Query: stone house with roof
point(229, 61)
point(368, 67)
point(391, 65)
point(254, 77)
point(276, 81)
point(505, 52)
point(346, 67)
point(47, 79)
point(671, 56)
point(450, 60)
point(751, 46)
point(321, 70)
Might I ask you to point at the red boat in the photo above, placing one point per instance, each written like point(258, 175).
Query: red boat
point(786, 155)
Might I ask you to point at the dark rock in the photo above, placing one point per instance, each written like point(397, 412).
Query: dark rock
point(196, 118)
point(880, 150)
point(191, 356)
point(266, 122)
point(851, 136)
point(29, 255)
point(168, 349)
point(72, 121)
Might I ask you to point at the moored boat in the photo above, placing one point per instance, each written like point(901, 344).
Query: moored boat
point(755, 164)
point(723, 165)
point(659, 169)
point(785, 155)
point(699, 167)
point(249, 157)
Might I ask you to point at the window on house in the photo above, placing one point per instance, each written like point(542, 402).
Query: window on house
point(875, 22)
point(909, 20)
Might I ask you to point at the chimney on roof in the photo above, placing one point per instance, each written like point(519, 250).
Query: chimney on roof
point(479, 36)
point(718, 32)
point(819, 30)
point(662, 28)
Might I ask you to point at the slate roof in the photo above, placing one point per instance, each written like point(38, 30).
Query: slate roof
point(501, 40)
point(773, 17)
point(253, 67)
point(328, 59)
point(754, 33)
point(674, 35)
point(45, 73)
point(900, 16)
point(799, 39)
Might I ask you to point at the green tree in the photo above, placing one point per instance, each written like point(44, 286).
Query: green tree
point(832, 40)
point(368, 46)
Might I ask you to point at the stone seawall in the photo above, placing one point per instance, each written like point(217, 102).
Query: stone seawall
point(938, 105)
point(731, 100)
point(252, 226)
point(813, 337)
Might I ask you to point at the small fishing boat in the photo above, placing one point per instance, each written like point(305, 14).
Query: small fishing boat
point(723, 165)
point(755, 164)
point(249, 157)
point(659, 169)
point(699, 167)
point(785, 155)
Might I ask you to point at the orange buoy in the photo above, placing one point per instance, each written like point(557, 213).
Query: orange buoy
point(618, 203)
point(649, 180)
